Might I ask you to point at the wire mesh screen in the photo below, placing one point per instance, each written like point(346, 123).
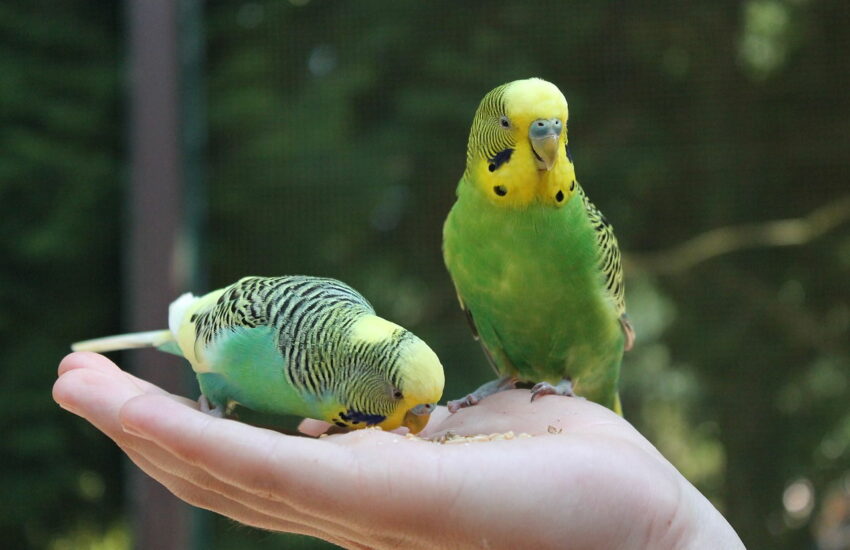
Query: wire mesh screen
point(338, 134)
point(713, 135)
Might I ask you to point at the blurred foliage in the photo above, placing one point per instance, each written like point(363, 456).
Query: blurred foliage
point(337, 134)
point(59, 254)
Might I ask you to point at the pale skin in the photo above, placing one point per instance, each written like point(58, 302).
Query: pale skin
point(587, 479)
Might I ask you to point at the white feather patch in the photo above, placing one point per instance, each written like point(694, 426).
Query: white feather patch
point(177, 311)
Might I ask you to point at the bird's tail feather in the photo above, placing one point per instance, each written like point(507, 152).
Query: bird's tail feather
point(153, 338)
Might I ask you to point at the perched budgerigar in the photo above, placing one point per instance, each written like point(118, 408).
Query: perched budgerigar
point(298, 345)
point(535, 264)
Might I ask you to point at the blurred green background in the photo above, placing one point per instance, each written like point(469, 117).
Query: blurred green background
point(336, 136)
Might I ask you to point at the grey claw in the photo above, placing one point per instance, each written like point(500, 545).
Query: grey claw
point(458, 404)
point(540, 389)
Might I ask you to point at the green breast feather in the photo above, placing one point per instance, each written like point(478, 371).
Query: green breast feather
point(251, 371)
point(536, 293)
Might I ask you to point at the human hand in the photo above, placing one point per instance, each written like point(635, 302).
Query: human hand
point(587, 479)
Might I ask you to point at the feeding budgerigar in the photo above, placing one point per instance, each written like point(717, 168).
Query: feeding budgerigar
point(535, 264)
point(297, 345)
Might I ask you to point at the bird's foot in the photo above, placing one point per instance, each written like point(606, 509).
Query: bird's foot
point(207, 407)
point(457, 404)
point(491, 387)
point(564, 387)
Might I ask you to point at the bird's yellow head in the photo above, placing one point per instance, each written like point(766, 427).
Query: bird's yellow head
point(517, 152)
point(422, 380)
point(397, 378)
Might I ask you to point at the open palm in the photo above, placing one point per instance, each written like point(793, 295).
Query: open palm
point(587, 479)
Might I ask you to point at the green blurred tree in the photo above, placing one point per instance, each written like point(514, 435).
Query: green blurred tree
point(59, 220)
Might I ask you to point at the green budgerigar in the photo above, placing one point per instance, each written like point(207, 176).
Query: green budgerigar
point(535, 264)
point(297, 345)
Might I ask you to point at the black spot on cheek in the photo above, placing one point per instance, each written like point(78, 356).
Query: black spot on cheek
point(573, 185)
point(499, 159)
point(559, 196)
point(500, 190)
point(340, 424)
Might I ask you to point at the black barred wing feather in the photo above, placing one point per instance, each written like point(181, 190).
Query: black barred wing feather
point(308, 316)
point(610, 264)
point(470, 319)
point(278, 302)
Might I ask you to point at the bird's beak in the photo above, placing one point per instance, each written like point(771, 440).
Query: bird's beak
point(545, 135)
point(416, 418)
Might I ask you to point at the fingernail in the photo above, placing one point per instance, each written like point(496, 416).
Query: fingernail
point(132, 430)
point(68, 408)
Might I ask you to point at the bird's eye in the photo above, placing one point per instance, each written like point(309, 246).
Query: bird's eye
point(503, 120)
point(397, 394)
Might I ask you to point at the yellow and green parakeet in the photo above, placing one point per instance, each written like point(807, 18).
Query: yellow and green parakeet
point(535, 264)
point(298, 345)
